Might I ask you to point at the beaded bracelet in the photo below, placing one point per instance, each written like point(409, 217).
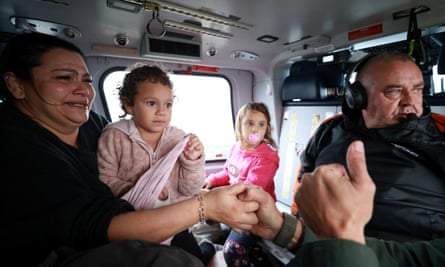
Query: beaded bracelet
point(201, 209)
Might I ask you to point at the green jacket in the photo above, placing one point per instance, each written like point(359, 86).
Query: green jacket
point(376, 253)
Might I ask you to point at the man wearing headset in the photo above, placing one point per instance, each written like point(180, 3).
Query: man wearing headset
point(404, 143)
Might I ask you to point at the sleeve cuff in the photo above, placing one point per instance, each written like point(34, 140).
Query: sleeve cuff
point(287, 230)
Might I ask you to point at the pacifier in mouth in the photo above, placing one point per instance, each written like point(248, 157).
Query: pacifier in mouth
point(254, 138)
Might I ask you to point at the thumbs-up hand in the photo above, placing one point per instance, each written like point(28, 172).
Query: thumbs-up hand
point(336, 202)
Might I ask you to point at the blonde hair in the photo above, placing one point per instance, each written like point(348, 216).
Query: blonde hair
point(255, 106)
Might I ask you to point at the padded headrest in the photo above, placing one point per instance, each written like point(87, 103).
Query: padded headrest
point(311, 81)
point(304, 86)
point(331, 75)
point(304, 66)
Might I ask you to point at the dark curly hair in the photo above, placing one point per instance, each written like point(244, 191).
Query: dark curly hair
point(140, 73)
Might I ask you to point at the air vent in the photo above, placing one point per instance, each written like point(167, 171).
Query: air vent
point(171, 48)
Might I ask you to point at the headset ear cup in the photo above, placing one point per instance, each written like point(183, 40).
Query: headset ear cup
point(355, 96)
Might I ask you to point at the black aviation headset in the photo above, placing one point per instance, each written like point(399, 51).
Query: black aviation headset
point(355, 93)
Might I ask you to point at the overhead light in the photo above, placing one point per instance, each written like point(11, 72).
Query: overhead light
point(211, 52)
point(267, 38)
point(327, 59)
point(243, 55)
point(121, 39)
point(47, 27)
point(196, 28)
point(124, 5)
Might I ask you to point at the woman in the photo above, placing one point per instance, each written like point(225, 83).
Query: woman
point(55, 208)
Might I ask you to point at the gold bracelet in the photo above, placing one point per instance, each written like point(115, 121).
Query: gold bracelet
point(202, 218)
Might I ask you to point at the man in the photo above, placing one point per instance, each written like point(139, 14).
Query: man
point(338, 218)
point(405, 145)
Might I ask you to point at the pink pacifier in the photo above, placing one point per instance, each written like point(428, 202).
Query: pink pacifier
point(254, 138)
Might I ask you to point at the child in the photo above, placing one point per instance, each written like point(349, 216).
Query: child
point(253, 159)
point(143, 159)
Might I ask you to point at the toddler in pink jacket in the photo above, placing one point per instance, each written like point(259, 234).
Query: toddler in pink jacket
point(253, 159)
point(130, 150)
point(145, 160)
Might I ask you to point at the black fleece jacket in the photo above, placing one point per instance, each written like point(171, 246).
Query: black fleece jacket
point(407, 163)
point(51, 196)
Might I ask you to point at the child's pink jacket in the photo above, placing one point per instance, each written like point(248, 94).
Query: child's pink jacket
point(256, 167)
point(123, 157)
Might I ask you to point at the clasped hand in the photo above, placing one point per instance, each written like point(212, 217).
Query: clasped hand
point(334, 202)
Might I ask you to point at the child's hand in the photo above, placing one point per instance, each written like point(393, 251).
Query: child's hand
point(164, 194)
point(194, 148)
point(207, 185)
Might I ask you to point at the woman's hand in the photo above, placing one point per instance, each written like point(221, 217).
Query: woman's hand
point(225, 204)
